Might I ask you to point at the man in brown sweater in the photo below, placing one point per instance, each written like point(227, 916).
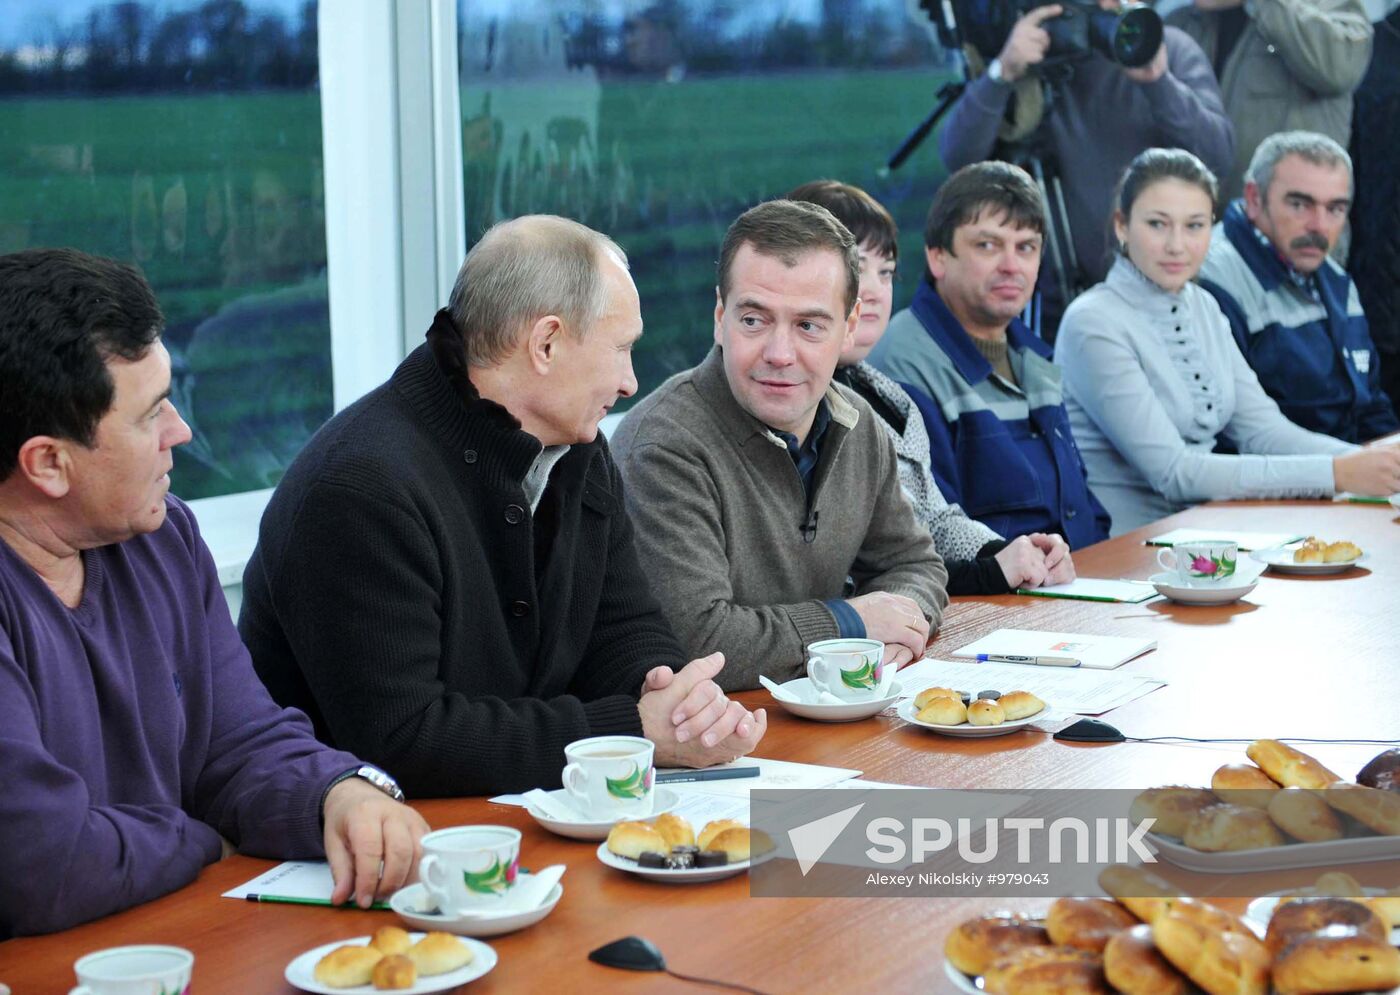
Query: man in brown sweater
point(765, 498)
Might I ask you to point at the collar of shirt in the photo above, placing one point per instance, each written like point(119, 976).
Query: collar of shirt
point(950, 336)
point(805, 454)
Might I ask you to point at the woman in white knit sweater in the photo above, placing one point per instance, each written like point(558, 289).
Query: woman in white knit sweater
point(1153, 379)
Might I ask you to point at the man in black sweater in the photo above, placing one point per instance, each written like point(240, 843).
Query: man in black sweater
point(445, 580)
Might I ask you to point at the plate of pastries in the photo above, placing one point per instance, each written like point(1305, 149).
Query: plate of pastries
point(669, 849)
point(1283, 810)
point(393, 959)
point(1312, 556)
point(1333, 884)
point(1147, 939)
point(958, 713)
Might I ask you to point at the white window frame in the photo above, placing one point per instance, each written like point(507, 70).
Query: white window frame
point(395, 231)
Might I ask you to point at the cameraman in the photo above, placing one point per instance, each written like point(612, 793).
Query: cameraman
point(1096, 121)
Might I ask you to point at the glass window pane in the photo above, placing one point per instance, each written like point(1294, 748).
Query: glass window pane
point(659, 124)
point(184, 137)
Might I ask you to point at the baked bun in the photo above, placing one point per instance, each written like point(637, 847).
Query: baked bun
point(1173, 807)
point(1296, 919)
point(1086, 923)
point(1231, 827)
point(928, 694)
point(1341, 552)
point(1133, 966)
point(1311, 551)
point(1337, 960)
point(975, 944)
point(438, 953)
point(1337, 884)
point(713, 829)
point(390, 940)
point(347, 966)
point(394, 971)
point(1223, 963)
point(943, 711)
point(734, 843)
point(1019, 705)
point(1289, 767)
point(1304, 816)
point(1377, 810)
point(1243, 784)
point(1383, 771)
point(985, 712)
point(675, 830)
point(1141, 892)
point(632, 839)
point(1047, 971)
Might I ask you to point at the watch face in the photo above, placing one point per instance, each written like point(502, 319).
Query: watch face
point(382, 781)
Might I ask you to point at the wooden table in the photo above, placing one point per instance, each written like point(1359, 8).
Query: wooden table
point(1317, 657)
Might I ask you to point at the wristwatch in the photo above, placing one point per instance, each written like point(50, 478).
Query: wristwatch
point(376, 777)
point(995, 74)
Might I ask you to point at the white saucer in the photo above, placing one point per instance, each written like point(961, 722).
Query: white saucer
point(1395, 500)
point(1218, 594)
point(846, 711)
point(663, 800)
point(908, 712)
point(409, 902)
point(1280, 558)
point(690, 875)
point(300, 972)
point(1261, 910)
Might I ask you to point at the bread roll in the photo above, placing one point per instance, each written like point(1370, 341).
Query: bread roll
point(1141, 892)
point(1304, 816)
point(1243, 784)
point(1231, 827)
point(394, 972)
point(985, 712)
point(347, 966)
point(1338, 884)
point(1223, 963)
point(1289, 767)
point(675, 830)
point(1086, 923)
point(1047, 971)
point(1173, 807)
point(390, 940)
point(1311, 551)
point(438, 953)
point(632, 839)
point(943, 711)
point(713, 829)
point(1377, 810)
point(1336, 961)
point(975, 944)
point(1019, 705)
point(1294, 920)
point(1382, 771)
point(928, 694)
point(1132, 965)
point(1341, 552)
point(734, 843)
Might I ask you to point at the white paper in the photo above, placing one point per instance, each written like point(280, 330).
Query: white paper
point(772, 774)
point(698, 809)
point(1063, 689)
point(1246, 541)
point(1096, 589)
point(292, 879)
point(1093, 652)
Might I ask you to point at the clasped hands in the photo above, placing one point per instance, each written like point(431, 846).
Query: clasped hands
point(691, 720)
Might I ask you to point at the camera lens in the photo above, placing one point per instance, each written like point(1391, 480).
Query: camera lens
point(1137, 36)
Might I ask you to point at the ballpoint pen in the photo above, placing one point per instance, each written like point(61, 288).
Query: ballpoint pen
point(1039, 661)
point(721, 774)
point(325, 902)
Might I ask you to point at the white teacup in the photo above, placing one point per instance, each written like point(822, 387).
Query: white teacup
point(470, 868)
point(140, 970)
point(610, 777)
point(850, 669)
point(1201, 564)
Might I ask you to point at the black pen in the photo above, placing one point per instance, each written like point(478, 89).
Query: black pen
point(722, 774)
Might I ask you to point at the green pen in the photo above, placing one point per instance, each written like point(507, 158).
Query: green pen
point(1361, 499)
point(326, 902)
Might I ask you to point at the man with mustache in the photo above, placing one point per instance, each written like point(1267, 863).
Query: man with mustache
point(766, 498)
point(989, 395)
point(1294, 311)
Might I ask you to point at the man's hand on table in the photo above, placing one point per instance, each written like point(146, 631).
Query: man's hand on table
point(691, 721)
point(364, 826)
point(896, 621)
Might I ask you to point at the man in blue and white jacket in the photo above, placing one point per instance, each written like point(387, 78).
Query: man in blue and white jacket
point(1294, 311)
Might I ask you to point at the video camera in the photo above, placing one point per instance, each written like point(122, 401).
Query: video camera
point(1130, 36)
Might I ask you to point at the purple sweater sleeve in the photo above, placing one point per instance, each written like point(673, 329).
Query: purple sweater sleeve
point(971, 127)
point(1187, 106)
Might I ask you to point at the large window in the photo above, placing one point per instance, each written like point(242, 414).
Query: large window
point(184, 137)
point(659, 125)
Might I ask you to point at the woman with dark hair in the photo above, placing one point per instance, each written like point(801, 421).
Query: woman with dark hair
point(978, 560)
point(1153, 378)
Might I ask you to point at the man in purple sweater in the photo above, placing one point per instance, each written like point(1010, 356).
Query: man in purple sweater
point(136, 743)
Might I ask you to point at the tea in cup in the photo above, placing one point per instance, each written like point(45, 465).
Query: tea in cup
point(138, 970)
point(1200, 564)
point(610, 777)
point(470, 868)
point(850, 669)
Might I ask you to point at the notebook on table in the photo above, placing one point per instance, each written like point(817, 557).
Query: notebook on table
point(1093, 652)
